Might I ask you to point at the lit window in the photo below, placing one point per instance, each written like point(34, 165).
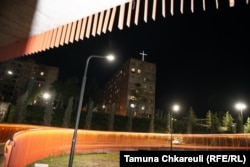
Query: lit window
point(41, 73)
point(139, 71)
point(132, 98)
point(143, 107)
point(132, 69)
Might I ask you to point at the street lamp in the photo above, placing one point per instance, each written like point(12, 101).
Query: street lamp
point(110, 58)
point(11, 73)
point(241, 107)
point(175, 108)
point(46, 96)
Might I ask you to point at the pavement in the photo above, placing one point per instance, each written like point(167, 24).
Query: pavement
point(1, 154)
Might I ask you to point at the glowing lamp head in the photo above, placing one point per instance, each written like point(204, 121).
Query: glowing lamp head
point(110, 57)
point(176, 107)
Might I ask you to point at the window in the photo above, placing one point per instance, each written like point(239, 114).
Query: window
point(138, 84)
point(132, 98)
point(133, 70)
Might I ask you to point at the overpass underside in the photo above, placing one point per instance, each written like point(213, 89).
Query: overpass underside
point(27, 27)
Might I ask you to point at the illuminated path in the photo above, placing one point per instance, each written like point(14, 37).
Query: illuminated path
point(31, 143)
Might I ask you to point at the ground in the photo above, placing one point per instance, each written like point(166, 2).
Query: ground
point(110, 159)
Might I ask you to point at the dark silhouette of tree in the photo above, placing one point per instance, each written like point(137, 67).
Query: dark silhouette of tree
point(68, 112)
point(92, 91)
point(191, 120)
point(57, 86)
point(48, 112)
point(168, 126)
point(111, 118)
point(130, 119)
point(88, 119)
point(66, 94)
point(209, 119)
point(65, 90)
point(151, 126)
point(22, 102)
point(215, 123)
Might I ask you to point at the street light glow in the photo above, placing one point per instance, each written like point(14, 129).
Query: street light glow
point(132, 105)
point(110, 57)
point(240, 106)
point(10, 72)
point(176, 107)
point(46, 95)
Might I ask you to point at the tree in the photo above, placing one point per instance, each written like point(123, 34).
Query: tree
point(215, 123)
point(57, 86)
point(191, 120)
point(22, 102)
point(209, 119)
point(48, 112)
point(92, 91)
point(227, 122)
point(68, 112)
point(88, 119)
point(66, 93)
point(65, 90)
point(151, 126)
point(247, 126)
point(111, 118)
point(130, 118)
point(168, 122)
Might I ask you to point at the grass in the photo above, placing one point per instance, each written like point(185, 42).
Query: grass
point(110, 159)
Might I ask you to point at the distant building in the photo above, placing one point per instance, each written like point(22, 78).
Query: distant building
point(132, 88)
point(16, 75)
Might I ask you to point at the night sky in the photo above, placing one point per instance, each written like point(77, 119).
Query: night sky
point(201, 57)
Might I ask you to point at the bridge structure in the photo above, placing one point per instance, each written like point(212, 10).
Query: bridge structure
point(33, 26)
point(25, 144)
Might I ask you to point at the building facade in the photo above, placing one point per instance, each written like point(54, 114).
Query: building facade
point(16, 76)
point(132, 89)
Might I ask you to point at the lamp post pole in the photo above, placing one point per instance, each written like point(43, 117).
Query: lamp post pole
point(171, 130)
point(241, 107)
point(175, 108)
point(72, 151)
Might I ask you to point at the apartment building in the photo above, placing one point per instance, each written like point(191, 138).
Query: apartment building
point(16, 76)
point(132, 88)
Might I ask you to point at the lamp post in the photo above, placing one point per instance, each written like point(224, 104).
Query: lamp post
point(11, 73)
point(46, 96)
point(241, 107)
point(110, 58)
point(175, 109)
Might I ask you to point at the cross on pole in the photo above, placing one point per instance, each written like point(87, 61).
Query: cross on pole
point(143, 54)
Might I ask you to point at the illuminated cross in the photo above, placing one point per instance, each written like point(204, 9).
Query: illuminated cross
point(143, 54)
